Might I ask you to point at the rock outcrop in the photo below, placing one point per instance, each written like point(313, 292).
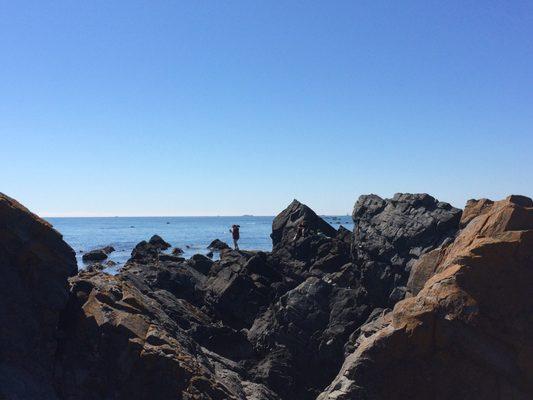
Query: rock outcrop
point(467, 334)
point(158, 242)
point(311, 318)
point(218, 245)
point(94, 255)
point(139, 335)
point(34, 265)
point(391, 234)
point(286, 223)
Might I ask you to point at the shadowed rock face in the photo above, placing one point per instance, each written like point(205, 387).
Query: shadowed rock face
point(391, 234)
point(34, 265)
point(467, 333)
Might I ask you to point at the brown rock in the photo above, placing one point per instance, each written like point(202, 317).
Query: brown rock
point(467, 334)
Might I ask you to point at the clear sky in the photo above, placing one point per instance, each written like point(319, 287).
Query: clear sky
point(237, 107)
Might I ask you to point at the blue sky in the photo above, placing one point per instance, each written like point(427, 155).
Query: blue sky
point(237, 107)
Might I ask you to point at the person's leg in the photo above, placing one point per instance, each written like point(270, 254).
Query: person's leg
point(236, 244)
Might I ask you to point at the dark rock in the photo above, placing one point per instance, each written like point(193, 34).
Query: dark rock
point(390, 236)
point(108, 249)
point(158, 242)
point(176, 251)
point(217, 245)
point(307, 327)
point(34, 264)
point(171, 258)
point(200, 263)
point(286, 223)
point(144, 252)
point(94, 255)
point(210, 254)
point(345, 235)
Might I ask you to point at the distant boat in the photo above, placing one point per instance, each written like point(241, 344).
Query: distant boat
point(247, 215)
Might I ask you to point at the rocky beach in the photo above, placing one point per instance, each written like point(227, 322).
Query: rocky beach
point(420, 301)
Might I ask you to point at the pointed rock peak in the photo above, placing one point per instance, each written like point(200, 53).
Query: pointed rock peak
point(286, 223)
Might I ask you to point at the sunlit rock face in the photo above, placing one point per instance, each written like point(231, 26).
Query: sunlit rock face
point(467, 334)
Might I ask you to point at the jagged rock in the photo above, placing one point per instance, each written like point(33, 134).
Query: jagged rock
point(391, 234)
point(306, 328)
point(467, 333)
point(235, 295)
point(126, 339)
point(200, 263)
point(34, 265)
point(158, 242)
point(286, 223)
point(144, 251)
point(345, 235)
point(218, 245)
point(473, 209)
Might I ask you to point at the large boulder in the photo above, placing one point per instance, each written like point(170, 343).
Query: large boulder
point(94, 255)
point(286, 223)
point(158, 242)
point(218, 245)
point(391, 234)
point(467, 334)
point(35, 263)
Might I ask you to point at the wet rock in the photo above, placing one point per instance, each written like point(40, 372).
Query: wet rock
point(35, 263)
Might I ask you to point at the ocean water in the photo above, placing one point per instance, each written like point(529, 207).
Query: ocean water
point(192, 234)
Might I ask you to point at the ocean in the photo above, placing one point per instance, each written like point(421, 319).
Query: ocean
point(192, 234)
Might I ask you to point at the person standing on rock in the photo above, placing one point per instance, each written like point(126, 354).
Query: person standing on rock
point(235, 234)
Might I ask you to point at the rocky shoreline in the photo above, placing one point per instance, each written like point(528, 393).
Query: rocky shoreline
point(420, 301)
